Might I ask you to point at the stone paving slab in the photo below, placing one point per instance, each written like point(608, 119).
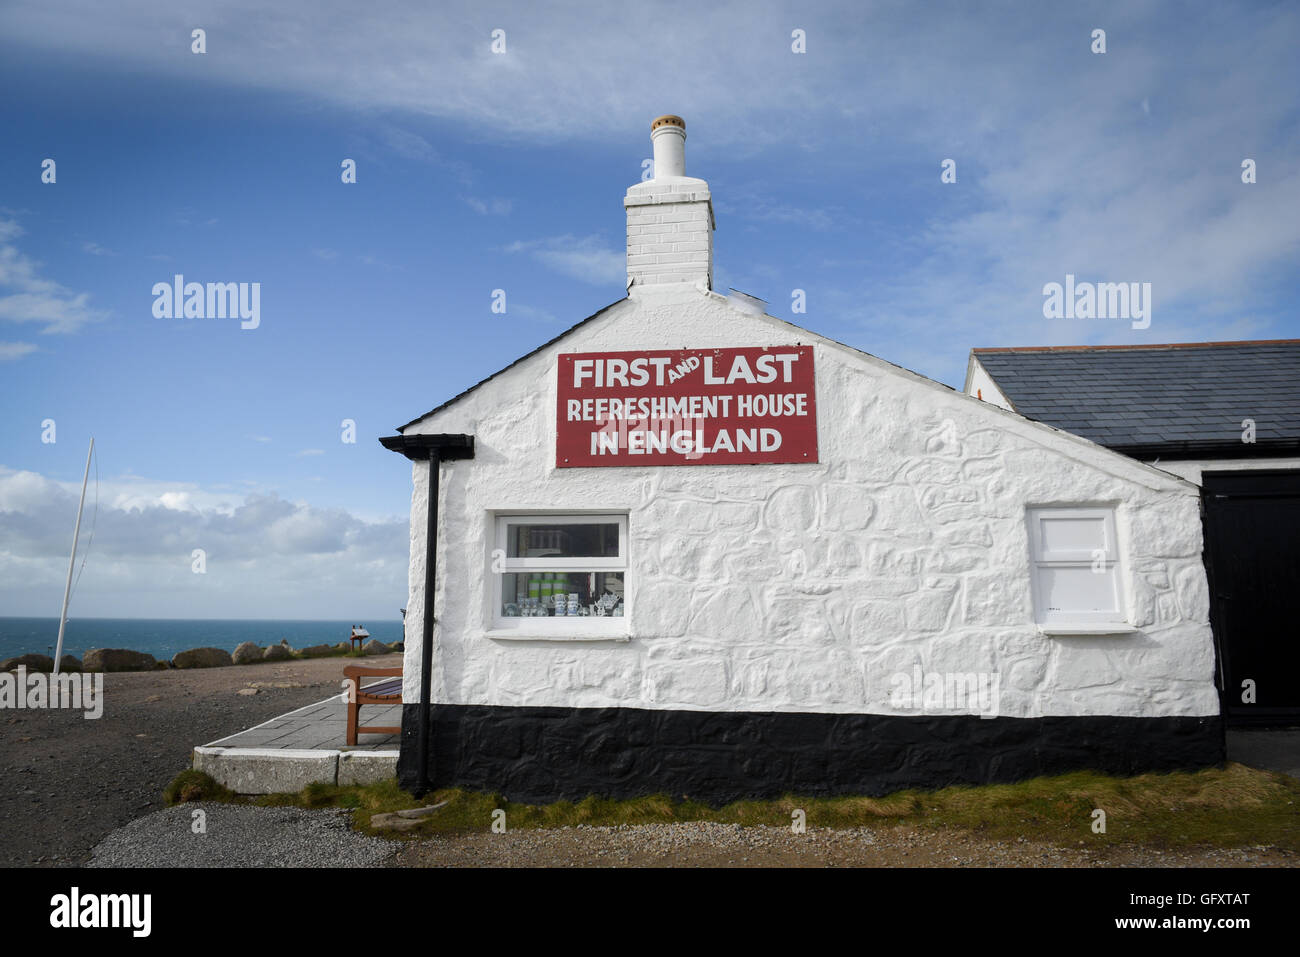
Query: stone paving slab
point(293, 750)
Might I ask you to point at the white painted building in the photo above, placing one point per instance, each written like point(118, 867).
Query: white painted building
point(914, 588)
point(1226, 417)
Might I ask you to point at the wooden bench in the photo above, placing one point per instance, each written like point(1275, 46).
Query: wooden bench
point(388, 691)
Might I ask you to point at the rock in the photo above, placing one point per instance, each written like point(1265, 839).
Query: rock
point(343, 646)
point(247, 653)
point(120, 659)
point(202, 658)
point(397, 646)
point(391, 822)
point(248, 691)
point(406, 819)
point(31, 662)
point(279, 652)
point(69, 663)
point(318, 651)
point(374, 647)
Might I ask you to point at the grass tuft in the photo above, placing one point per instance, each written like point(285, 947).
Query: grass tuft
point(1232, 806)
point(194, 785)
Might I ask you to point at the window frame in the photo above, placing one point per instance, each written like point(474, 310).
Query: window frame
point(1041, 558)
point(564, 627)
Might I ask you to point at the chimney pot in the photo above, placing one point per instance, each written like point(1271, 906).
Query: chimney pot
point(668, 134)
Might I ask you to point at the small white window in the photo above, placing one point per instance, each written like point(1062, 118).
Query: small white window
point(561, 576)
point(1076, 570)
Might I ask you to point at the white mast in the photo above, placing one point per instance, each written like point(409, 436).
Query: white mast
point(76, 532)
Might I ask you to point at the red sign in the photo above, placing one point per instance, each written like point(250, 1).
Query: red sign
point(686, 407)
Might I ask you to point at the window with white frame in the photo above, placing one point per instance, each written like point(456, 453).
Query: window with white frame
point(561, 573)
point(1076, 568)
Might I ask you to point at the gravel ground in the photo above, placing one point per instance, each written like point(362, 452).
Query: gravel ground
point(241, 836)
point(730, 845)
point(66, 782)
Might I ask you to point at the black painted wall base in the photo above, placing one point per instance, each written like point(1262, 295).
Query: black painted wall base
point(545, 754)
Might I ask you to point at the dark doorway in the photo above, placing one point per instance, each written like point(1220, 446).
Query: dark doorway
point(1252, 556)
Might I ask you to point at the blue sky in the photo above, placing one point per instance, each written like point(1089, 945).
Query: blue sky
point(479, 171)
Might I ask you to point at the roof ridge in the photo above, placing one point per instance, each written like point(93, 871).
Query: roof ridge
point(1139, 346)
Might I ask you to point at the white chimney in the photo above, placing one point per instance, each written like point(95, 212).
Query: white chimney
point(670, 217)
point(668, 135)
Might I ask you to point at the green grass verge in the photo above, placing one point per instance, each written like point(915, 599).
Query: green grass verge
point(1233, 806)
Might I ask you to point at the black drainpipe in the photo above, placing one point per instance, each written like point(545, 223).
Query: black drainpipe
point(426, 648)
point(437, 449)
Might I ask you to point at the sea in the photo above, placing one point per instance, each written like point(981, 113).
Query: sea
point(164, 637)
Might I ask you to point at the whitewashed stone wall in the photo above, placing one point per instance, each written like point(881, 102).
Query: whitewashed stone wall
point(806, 587)
point(1194, 469)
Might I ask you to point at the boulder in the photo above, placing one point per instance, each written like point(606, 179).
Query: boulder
point(120, 659)
point(68, 664)
point(318, 651)
point(397, 646)
point(277, 653)
point(343, 646)
point(374, 647)
point(247, 653)
point(31, 662)
point(202, 658)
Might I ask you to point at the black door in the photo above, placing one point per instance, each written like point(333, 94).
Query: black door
point(1252, 555)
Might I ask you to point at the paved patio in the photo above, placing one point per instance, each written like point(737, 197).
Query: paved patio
point(303, 747)
point(319, 726)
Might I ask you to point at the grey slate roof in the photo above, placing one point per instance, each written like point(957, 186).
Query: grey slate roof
point(1185, 399)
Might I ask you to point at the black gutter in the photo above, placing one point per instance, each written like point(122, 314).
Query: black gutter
point(1185, 449)
point(435, 448)
point(449, 445)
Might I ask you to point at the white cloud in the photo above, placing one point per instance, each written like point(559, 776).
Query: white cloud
point(265, 555)
point(409, 145)
point(587, 259)
point(492, 207)
point(766, 203)
point(15, 350)
point(27, 297)
point(531, 313)
point(1116, 166)
point(436, 60)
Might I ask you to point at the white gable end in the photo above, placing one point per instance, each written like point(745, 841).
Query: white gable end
point(808, 587)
